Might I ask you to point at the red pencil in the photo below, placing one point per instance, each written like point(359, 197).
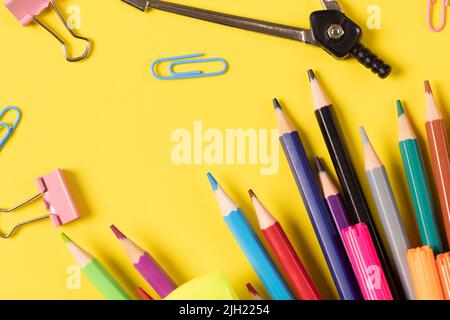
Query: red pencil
point(144, 295)
point(299, 279)
point(255, 294)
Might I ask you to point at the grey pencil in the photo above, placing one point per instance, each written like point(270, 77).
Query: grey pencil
point(389, 213)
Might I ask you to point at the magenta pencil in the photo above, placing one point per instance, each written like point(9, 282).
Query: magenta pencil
point(146, 266)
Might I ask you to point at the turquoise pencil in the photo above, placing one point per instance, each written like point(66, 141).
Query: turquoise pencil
point(251, 245)
point(418, 182)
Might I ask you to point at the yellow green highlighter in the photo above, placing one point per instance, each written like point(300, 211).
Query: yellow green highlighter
point(418, 183)
point(96, 273)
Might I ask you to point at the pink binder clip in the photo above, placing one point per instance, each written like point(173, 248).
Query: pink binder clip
point(365, 263)
point(445, 4)
point(54, 191)
point(26, 11)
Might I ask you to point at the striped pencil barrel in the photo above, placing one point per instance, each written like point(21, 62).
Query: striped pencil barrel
point(389, 213)
point(96, 273)
point(365, 263)
point(353, 195)
point(146, 265)
point(424, 274)
point(443, 266)
point(321, 220)
point(251, 245)
point(418, 182)
point(439, 150)
point(333, 198)
point(299, 279)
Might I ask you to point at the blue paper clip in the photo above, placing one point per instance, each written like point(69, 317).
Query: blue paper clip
point(9, 129)
point(188, 74)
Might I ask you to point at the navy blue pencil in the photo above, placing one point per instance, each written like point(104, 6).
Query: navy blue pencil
point(322, 222)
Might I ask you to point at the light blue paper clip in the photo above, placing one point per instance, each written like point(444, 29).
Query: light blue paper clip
point(188, 74)
point(9, 129)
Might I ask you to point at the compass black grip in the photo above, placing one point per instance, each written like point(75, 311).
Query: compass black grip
point(371, 61)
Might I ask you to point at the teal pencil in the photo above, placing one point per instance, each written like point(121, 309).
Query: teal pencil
point(419, 187)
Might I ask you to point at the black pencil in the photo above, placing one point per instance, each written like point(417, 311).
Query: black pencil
point(358, 209)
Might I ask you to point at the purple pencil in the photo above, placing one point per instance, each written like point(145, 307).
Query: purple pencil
point(146, 266)
point(333, 198)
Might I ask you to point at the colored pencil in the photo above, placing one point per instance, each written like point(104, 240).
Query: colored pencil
point(365, 263)
point(96, 273)
point(251, 245)
point(355, 201)
point(443, 266)
point(255, 294)
point(321, 220)
point(146, 265)
point(333, 198)
point(424, 274)
point(418, 182)
point(296, 274)
point(389, 213)
point(144, 295)
point(438, 144)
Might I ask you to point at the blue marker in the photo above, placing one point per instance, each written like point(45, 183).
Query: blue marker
point(251, 245)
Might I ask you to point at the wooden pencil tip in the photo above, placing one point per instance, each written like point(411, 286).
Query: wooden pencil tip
point(65, 238)
point(400, 109)
point(428, 87)
point(319, 164)
point(276, 104)
point(311, 75)
point(364, 138)
point(251, 193)
point(212, 181)
point(251, 289)
point(117, 232)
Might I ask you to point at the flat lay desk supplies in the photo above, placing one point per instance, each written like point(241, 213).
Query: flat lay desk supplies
point(443, 16)
point(389, 213)
point(323, 237)
point(331, 30)
point(186, 59)
point(418, 182)
point(9, 128)
point(352, 192)
point(251, 245)
point(96, 272)
point(58, 200)
point(26, 11)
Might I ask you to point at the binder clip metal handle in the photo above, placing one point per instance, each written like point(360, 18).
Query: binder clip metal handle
point(26, 11)
point(54, 191)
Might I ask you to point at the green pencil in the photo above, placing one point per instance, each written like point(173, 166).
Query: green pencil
point(96, 273)
point(418, 182)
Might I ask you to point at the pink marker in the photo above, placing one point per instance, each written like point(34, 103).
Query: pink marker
point(365, 263)
point(58, 200)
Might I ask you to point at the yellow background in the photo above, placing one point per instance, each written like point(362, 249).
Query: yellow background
point(109, 122)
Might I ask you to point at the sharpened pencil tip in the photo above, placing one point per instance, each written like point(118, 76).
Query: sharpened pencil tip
point(364, 138)
point(428, 87)
point(311, 75)
point(65, 238)
point(212, 181)
point(251, 289)
point(251, 193)
point(400, 109)
point(117, 232)
point(319, 164)
point(276, 104)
